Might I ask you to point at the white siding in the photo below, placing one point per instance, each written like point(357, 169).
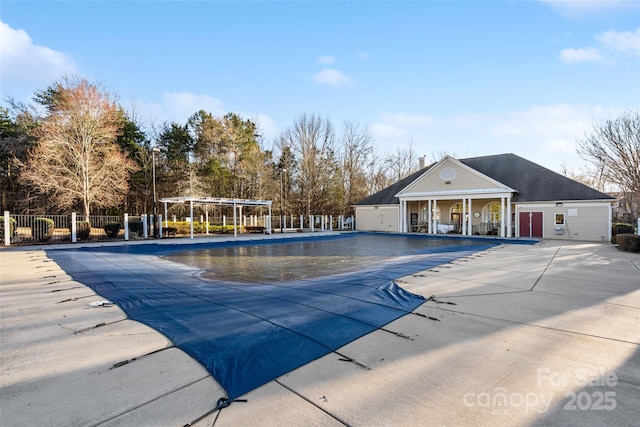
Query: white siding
point(377, 218)
point(590, 222)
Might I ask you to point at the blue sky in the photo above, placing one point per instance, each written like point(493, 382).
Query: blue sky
point(468, 78)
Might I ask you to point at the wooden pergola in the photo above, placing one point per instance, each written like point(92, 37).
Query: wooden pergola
point(218, 201)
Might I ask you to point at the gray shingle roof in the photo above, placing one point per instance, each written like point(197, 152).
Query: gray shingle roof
point(387, 195)
point(533, 183)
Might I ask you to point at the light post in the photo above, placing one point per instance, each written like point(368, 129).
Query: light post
point(281, 170)
point(154, 150)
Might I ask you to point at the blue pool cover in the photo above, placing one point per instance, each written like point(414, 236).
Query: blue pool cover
point(247, 334)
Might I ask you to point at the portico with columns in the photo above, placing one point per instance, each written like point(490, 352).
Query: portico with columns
point(452, 198)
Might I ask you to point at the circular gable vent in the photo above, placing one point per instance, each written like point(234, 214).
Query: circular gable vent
point(447, 174)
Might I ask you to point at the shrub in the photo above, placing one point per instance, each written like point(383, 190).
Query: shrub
point(112, 229)
point(221, 228)
point(184, 227)
point(83, 230)
point(12, 226)
point(628, 242)
point(42, 229)
point(622, 228)
point(136, 227)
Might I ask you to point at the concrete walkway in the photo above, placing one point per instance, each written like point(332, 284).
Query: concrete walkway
point(516, 335)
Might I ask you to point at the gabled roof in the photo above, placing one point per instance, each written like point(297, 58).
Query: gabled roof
point(387, 196)
point(532, 182)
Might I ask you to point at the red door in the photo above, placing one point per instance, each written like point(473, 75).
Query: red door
point(531, 224)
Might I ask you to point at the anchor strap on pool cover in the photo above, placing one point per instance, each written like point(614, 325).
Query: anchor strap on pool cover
point(246, 335)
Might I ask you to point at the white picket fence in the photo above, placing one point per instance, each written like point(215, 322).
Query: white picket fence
point(44, 229)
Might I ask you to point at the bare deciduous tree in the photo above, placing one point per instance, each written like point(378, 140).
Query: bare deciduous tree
point(378, 177)
point(312, 139)
point(357, 150)
point(76, 159)
point(403, 163)
point(613, 148)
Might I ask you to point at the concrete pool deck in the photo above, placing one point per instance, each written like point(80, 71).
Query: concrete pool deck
point(547, 334)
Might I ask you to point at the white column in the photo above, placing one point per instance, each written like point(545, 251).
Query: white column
point(509, 225)
point(166, 217)
point(7, 229)
point(74, 230)
point(160, 226)
point(126, 226)
point(143, 217)
point(429, 228)
point(206, 221)
point(470, 229)
point(235, 228)
point(435, 216)
point(311, 223)
point(330, 222)
point(405, 217)
point(191, 216)
point(463, 220)
point(502, 215)
point(406, 221)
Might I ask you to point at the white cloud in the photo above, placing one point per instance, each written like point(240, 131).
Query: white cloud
point(612, 43)
point(588, 8)
point(547, 134)
point(184, 104)
point(401, 128)
point(331, 77)
point(385, 132)
point(407, 120)
point(24, 63)
point(267, 127)
point(626, 42)
point(178, 107)
point(547, 121)
point(328, 59)
point(588, 54)
point(362, 56)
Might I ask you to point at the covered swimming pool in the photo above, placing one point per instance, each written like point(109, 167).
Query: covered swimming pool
point(251, 311)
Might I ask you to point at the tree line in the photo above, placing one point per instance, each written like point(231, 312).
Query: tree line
point(74, 148)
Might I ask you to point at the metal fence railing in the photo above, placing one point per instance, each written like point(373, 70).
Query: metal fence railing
point(37, 228)
point(17, 229)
